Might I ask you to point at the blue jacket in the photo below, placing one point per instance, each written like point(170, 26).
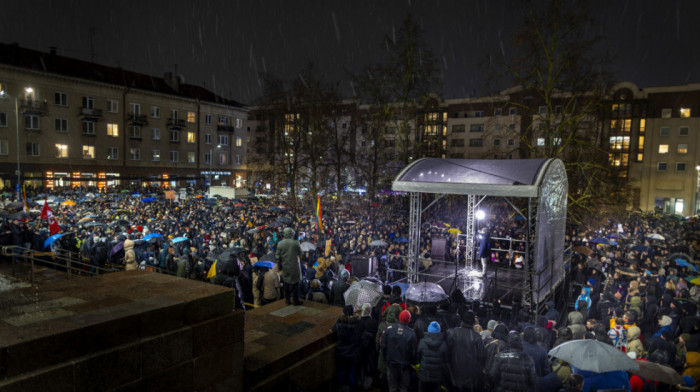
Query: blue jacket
point(609, 380)
point(584, 297)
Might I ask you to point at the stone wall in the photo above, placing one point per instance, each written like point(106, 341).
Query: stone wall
point(124, 331)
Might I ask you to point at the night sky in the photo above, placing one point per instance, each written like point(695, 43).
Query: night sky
point(223, 45)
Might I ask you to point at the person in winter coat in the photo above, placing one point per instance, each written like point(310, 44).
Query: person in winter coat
point(338, 289)
point(466, 355)
point(536, 352)
point(692, 359)
point(271, 286)
point(390, 317)
point(367, 331)
point(665, 325)
point(130, 255)
point(498, 343)
point(432, 356)
point(552, 312)
point(585, 296)
point(315, 293)
point(257, 277)
point(576, 324)
point(347, 350)
point(618, 335)
point(399, 344)
point(288, 254)
point(650, 315)
point(633, 343)
point(608, 380)
point(513, 370)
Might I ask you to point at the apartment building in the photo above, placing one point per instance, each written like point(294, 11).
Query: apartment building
point(67, 122)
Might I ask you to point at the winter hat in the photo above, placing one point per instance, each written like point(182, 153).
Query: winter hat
point(491, 325)
point(405, 317)
point(591, 282)
point(468, 318)
point(366, 310)
point(434, 327)
point(344, 274)
point(348, 310)
point(665, 320)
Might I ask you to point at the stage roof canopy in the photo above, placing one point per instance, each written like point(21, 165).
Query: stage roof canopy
point(497, 177)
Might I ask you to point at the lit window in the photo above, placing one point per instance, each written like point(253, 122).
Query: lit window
point(113, 130)
point(666, 113)
point(540, 141)
point(557, 141)
point(190, 117)
point(239, 141)
point(61, 151)
point(665, 131)
point(155, 155)
point(191, 157)
point(112, 153)
point(88, 152)
point(683, 131)
point(661, 166)
point(663, 148)
point(680, 166)
point(155, 133)
point(4, 147)
point(135, 154)
point(190, 137)
point(685, 112)
point(88, 128)
point(682, 148)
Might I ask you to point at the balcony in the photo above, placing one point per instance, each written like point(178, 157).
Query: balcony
point(225, 128)
point(33, 106)
point(175, 123)
point(138, 119)
point(90, 112)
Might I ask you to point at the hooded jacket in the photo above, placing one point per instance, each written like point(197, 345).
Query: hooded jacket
point(633, 343)
point(466, 356)
point(130, 255)
point(585, 296)
point(692, 366)
point(399, 344)
point(391, 316)
point(576, 325)
point(432, 356)
point(513, 370)
point(288, 255)
point(348, 346)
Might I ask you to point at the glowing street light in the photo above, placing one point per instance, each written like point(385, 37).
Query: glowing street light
point(480, 214)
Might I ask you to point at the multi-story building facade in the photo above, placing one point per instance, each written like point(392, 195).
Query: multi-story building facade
point(651, 137)
point(66, 122)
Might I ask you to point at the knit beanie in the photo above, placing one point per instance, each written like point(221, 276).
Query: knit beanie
point(405, 317)
point(491, 325)
point(366, 310)
point(434, 327)
point(665, 320)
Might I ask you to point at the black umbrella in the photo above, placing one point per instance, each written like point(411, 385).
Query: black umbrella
point(269, 257)
point(284, 219)
point(15, 204)
point(20, 215)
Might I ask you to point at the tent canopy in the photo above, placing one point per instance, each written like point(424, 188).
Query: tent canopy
point(497, 177)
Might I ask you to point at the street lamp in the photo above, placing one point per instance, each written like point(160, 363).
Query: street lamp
point(211, 159)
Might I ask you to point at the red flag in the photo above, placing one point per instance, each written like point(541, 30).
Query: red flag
point(48, 215)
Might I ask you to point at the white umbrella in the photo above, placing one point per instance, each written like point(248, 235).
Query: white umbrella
point(655, 236)
point(593, 356)
point(307, 246)
point(378, 243)
point(363, 292)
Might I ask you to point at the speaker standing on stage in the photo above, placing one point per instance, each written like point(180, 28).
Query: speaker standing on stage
point(484, 238)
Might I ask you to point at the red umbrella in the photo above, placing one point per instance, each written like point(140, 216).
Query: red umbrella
point(375, 204)
point(137, 228)
point(239, 205)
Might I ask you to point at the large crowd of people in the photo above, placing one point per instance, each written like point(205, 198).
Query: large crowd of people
point(634, 282)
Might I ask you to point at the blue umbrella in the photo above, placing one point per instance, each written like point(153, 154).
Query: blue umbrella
point(264, 263)
point(613, 242)
point(681, 262)
point(51, 239)
point(601, 240)
point(642, 248)
point(148, 200)
point(152, 235)
point(401, 239)
point(179, 239)
point(136, 194)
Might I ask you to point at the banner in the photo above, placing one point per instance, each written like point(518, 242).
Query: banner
point(48, 215)
point(319, 222)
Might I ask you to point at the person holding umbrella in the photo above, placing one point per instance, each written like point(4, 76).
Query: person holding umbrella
point(288, 253)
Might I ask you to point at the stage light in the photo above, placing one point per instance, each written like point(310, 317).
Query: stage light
point(480, 214)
